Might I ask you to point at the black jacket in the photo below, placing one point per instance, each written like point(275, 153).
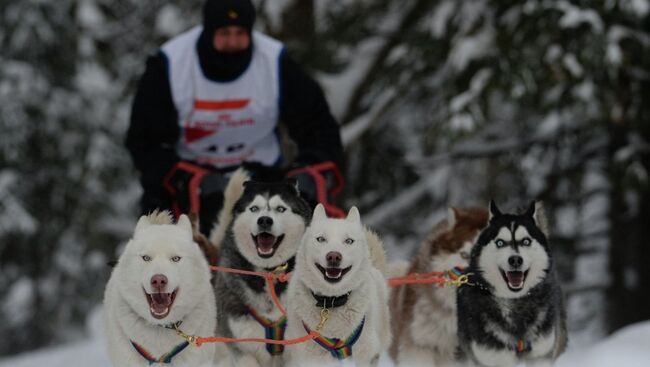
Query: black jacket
point(154, 130)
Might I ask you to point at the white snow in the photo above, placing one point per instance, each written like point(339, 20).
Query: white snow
point(274, 10)
point(19, 300)
point(353, 130)
point(339, 87)
point(444, 11)
point(477, 84)
point(13, 216)
point(626, 348)
point(169, 21)
point(571, 63)
point(89, 16)
point(550, 124)
point(471, 48)
point(92, 78)
point(640, 8)
point(575, 16)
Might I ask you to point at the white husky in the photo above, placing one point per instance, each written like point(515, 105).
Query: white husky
point(161, 282)
point(335, 276)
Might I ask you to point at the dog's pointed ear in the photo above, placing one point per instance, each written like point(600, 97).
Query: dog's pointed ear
point(353, 215)
point(494, 211)
point(319, 213)
point(452, 217)
point(530, 212)
point(540, 217)
point(294, 184)
point(184, 223)
point(143, 223)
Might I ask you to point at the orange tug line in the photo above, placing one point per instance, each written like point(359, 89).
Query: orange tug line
point(436, 277)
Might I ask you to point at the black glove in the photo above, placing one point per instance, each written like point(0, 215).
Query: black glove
point(212, 183)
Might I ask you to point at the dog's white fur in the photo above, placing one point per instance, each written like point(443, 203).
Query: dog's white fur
point(285, 223)
point(292, 226)
point(127, 313)
point(367, 286)
point(424, 316)
point(494, 260)
point(231, 194)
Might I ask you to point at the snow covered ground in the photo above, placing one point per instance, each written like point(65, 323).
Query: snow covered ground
point(629, 347)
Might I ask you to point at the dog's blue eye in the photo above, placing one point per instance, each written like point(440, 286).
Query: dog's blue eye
point(176, 259)
point(500, 243)
point(146, 258)
point(320, 239)
point(281, 209)
point(349, 241)
point(526, 242)
point(254, 208)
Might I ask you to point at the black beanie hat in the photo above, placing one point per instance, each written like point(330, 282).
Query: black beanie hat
point(220, 13)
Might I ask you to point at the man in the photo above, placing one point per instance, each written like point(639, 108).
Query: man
point(211, 100)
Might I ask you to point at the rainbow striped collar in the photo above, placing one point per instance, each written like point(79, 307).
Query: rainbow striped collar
point(340, 349)
point(521, 347)
point(274, 330)
point(455, 273)
point(165, 358)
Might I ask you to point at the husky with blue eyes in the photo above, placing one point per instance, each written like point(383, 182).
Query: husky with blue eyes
point(268, 221)
point(160, 284)
point(512, 313)
point(338, 290)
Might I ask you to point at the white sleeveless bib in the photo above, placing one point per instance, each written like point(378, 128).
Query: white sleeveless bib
point(226, 123)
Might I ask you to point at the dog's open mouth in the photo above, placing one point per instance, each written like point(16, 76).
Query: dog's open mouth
point(160, 304)
point(333, 275)
point(266, 244)
point(514, 279)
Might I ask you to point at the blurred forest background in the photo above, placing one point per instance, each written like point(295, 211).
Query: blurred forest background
point(442, 102)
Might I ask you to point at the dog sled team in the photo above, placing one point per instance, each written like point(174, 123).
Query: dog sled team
point(162, 293)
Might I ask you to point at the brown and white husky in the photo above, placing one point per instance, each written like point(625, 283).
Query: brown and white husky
point(424, 316)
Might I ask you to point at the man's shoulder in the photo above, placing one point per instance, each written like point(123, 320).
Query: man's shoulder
point(267, 43)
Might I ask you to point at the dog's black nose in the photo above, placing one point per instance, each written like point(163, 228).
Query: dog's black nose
point(159, 282)
point(333, 258)
point(516, 261)
point(265, 222)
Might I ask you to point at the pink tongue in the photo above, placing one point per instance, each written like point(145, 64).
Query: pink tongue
point(265, 240)
point(160, 301)
point(333, 272)
point(515, 278)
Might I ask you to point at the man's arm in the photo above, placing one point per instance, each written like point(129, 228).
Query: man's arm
point(304, 109)
point(154, 130)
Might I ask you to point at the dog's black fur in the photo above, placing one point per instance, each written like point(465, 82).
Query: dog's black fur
point(229, 287)
point(539, 311)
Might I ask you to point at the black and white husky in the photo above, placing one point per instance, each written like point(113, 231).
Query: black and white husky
point(514, 312)
point(268, 222)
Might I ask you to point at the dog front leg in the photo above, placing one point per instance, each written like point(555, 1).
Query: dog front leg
point(246, 360)
point(241, 359)
point(539, 363)
point(413, 356)
point(493, 357)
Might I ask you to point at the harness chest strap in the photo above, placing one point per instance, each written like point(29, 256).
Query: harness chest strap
point(521, 347)
point(338, 348)
point(274, 330)
point(165, 358)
